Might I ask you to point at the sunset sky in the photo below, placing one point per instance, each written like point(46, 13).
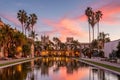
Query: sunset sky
point(64, 18)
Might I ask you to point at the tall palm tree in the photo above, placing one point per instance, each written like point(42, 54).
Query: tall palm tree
point(92, 21)
point(88, 13)
point(22, 17)
point(33, 20)
point(27, 27)
point(98, 17)
point(33, 35)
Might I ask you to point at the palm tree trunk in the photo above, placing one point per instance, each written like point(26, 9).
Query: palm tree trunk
point(25, 32)
point(98, 29)
point(22, 29)
point(93, 32)
point(32, 50)
point(89, 35)
point(2, 51)
point(97, 36)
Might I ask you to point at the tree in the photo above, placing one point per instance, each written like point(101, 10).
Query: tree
point(33, 35)
point(92, 21)
point(94, 44)
point(32, 20)
point(57, 43)
point(102, 39)
point(6, 36)
point(118, 51)
point(98, 17)
point(26, 49)
point(27, 27)
point(22, 17)
point(76, 44)
point(88, 13)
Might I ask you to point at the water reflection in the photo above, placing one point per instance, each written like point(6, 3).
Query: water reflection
point(55, 68)
point(18, 72)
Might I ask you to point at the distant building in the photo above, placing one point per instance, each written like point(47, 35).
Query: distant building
point(110, 46)
point(69, 40)
point(45, 39)
point(69, 43)
point(84, 45)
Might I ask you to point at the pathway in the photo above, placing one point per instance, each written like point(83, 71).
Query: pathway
point(103, 62)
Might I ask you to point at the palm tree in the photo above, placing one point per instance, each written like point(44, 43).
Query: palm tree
point(27, 27)
point(88, 13)
point(98, 17)
point(33, 35)
point(103, 38)
point(92, 21)
point(22, 17)
point(32, 20)
point(6, 35)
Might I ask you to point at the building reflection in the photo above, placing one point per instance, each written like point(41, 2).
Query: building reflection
point(57, 62)
point(47, 66)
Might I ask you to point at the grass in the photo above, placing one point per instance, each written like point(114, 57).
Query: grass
point(8, 63)
point(104, 65)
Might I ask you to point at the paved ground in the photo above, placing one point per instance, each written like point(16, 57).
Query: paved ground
point(11, 60)
point(103, 62)
point(92, 59)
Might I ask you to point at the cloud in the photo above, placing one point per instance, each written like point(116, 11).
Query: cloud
point(11, 18)
point(76, 75)
point(66, 27)
point(111, 13)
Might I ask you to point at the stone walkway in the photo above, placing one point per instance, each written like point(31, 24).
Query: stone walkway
point(98, 60)
point(103, 62)
point(11, 60)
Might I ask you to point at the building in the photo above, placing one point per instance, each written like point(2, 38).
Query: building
point(45, 39)
point(69, 43)
point(69, 40)
point(84, 45)
point(110, 46)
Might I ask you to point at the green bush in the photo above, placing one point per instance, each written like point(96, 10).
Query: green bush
point(26, 49)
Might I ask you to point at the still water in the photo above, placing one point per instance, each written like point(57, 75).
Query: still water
point(56, 68)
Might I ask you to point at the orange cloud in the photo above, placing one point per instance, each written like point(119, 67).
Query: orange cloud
point(67, 27)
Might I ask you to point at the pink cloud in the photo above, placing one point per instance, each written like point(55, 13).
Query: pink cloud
point(67, 27)
point(110, 10)
point(76, 75)
point(10, 18)
point(110, 13)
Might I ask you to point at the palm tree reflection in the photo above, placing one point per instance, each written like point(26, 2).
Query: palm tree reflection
point(34, 70)
point(57, 62)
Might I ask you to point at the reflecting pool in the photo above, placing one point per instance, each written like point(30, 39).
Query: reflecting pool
point(55, 68)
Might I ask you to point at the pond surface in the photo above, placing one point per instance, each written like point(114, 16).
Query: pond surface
point(56, 68)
